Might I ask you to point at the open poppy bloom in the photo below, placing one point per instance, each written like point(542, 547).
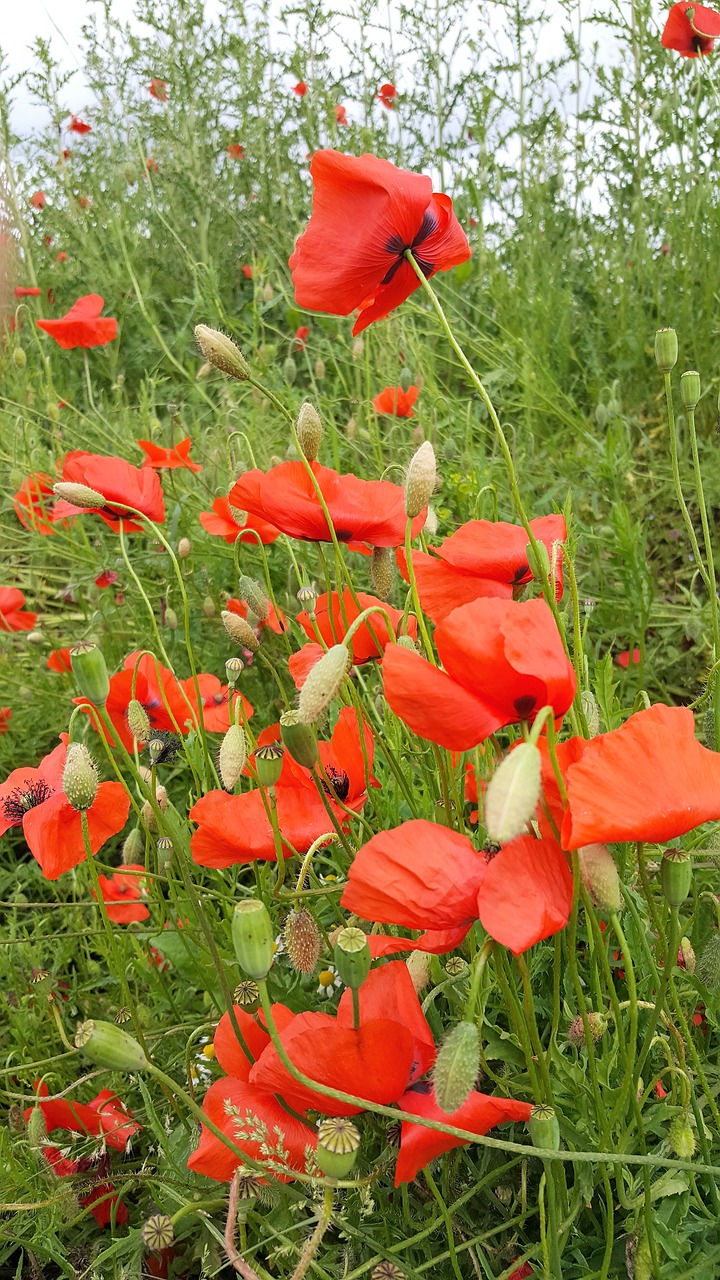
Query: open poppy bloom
point(158, 691)
point(216, 702)
point(629, 657)
point(483, 558)
point(649, 780)
point(82, 325)
point(37, 200)
point(34, 502)
point(12, 615)
point(77, 125)
point(503, 660)
point(124, 894)
point(300, 89)
point(120, 483)
point(237, 829)
point(230, 523)
point(387, 95)
point(478, 1114)
point(107, 578)
point(365, 512)
point(158, 89)
point(333, 617)
point(396, 403)
point(34, 800)
point(59, 660)
point(177, 455)
point(366, 215)
point(340, 115)
point(21, 292)
point(236, 151)
point(691, 29)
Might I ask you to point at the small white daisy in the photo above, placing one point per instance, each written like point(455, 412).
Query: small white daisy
point(330, 980)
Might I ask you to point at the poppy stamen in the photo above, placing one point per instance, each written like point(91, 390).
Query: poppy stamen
point(338, 783)
point(22, 799)
point(524, 706)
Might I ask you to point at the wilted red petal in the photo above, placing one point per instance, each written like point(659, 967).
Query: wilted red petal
point(478, 1114)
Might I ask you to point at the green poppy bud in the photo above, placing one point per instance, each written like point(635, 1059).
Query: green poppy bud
point(19, 358)
point(456, 1066)
point(240, 631)
point(309, 430)
point(36, 1128)
point(289, 371)
point(138, 720)
point(420, 480)
point(109, 1046)
point(254, 596)
point(232, 756)
point(323, 683)
point(252, 936)
point(405, 379)
point(338, 1145)
point(133, 847)
point(299, 739)
point(676, 870)
point(512, 794)
point(352, 956)
point(221, 352)
point(91, 673)
point(382, 571)
point(600, 876)
point(681, 1137)
point(80, 495)
point(80, 777)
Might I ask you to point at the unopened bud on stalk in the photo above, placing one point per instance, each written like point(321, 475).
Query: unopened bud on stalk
point(708, 965)
point(36, 1128)
point(407, 642)
point(544, 1127)
point(600, 876)
point(299, 739)
point(252, 936)
point(208, 607)
point(676, 870)
point(323, 683)
point(289, 371)
point(681, 1137)
point(382, 571)
point(419, 968)
point(456, 1066)
point(666, 349)
point(690, 389)
point(306, 597)
point(512, 794)
point(184, 548)
point(337, 1148)
point(80, 495)
point(538, 561)
point(303, 940)
point(255, 598)
point(138, 720)
point(687, 955)
point(240, 631)
point(591, 709)
point(233, 670)
point(597, 1023)
point(91, 673)
point(232, 756)
point(171, 619)
point(319, 369)
point(19, 358)
point(405, 379)
point(420, 480)
point(268, 763)
point(309, 430)
point(220, 351)
point(133, 847)
point(107, 1045)
point(352, 957)
point(80, 777)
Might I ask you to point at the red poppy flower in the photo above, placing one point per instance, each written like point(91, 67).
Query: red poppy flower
point(104, 1117)
point(660, 1091)
point(675, 782)
point(627, 658)
point(301, 337)
point(34, 501)
point(102, 1201)
point(38, 200)
point(370, 512)
point(236, 829)
point(61, 256)
point(236, 151)
point(157, 689)
point(151, 165)
point(395, 402)
point(12, 616)
point(691, 29)
point(77, 125)
point(119, 482)
point(60, 661)
point(82, 325)
point(503, 660)
point(229, 522)
point(387, 95)
point(481, 559)
point(124, 893)
point(366, 214)
point(341, 115)
point(106, 579)
point(300, 89)
point(34, 800)
point(158, 89)
point(21, 292)
point(5, 718)
point(479, 1113)
point(168, 459)
point(215, 702)
point(332, 620)
point(247, 271)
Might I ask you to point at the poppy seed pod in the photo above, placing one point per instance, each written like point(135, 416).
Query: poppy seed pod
point(676, 870)
point(138, 720)
point(338, 1145)
point(456, 1066)
point(352, 957)
point(80, 777)
point(420, 480)
point(269, 763)
point(107, 1045)
point(91, 673)
point(232, 756)
point(240, 631)
point(309, 430)
point(690, 389)
point(306, 596)
point(600, 876)
point(221, 352)
point(303, 940)
point(382, 571)
point(323, 683)
point(299, 739)
point(158, 1232)
point(252, 936)
point(255, 598)
point(80, 495)
point(233, 670)
point(512, 794)
point(666, 349)
point(544, 1127)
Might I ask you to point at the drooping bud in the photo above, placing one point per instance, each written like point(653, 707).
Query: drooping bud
point(337, 1148)
point(420, 480)
point(240, 631)
point(405, 379)
point(544, 1127)
point(232, 756)
point(512, 794)
point(80, 777)
point(19, 358)
point(382, 571)
point(133, 847)
point(138, 720)
point(597, 1023)
point(303, 940)
point(309, 430)
point(252, 593)
point(91, 673)
point(269, 763)
point(221, 352)
point(600, 876)
point(319, 368)
point(80, 495)
point(36, 1128)
point(299, 739)
point(352, 957)
point(107, 1045)
point(323, 683)
point(419, 968)
point(686, 955)
point(184, 548)
point(456, 1066)
point(171, 619)
point(289, 371)
point(708, 965)
point(252, 936)
point(233, 670)
point(690, 389)
point(676, 871)
point(666, 349)
point(158, 1232)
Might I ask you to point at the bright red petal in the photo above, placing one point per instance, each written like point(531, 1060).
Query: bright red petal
point(526, 894)
point(433, 704)
point(53, 829)
point(251, 1106)
point(478, 1114)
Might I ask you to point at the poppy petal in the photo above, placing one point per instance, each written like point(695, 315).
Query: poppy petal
point(53, 829)
point(526, 894)
point(478, 1114)
point(249, 1106)
point(433, 705)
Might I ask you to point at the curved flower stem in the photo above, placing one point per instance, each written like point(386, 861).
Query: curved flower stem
point(534, 1033)
point(238, 1264)
point(447, 1220)
point(430, 652)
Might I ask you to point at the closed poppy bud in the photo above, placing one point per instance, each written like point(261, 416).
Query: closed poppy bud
point(419, 968)
point(80, 495)
point(233, 670)
point(107, 1045)
point(299, 739)
point(80, 777)
point(687, 955)
point(184, 548)
point(405, 379)
point(681, 1137)
point(19, 358)
point(676, 876)
point(232, 756)
point(591, 709)
point(420, 480)
point(666, 349)
point(407, 642)
point(382, 571)
point(268, 293)
point(456, 1066)
point(512, 793)
point(708, 966)
point(690, 389)
point(240, 631)
point(91, 673)
point(352, 957)
point(268, 763)
point(289, 371)
point(255, 598)
point(208, 607)
point(544, 1127)
point(538, 561)
point(337, 1147)
point(133, 847)
point(36, 1128)
point(221, 351)
point(171, 619)
point(323, 683)
point(252, 936)
point(319, 369)
point(309, 430)
point(138, 720)
point(600, 876)
point(303, 940)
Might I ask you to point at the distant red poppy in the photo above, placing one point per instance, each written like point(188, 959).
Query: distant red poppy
point(34, 800)
point(236, 151)
point(158, 89)
point(5, 718)
point(33, 503)
point(12, 615)
point(366, 214)
point(247, 271)
point(61, 257)
point(691, 29)
point(170, 459)
point(119, 482)
point(60, 661)
point(157, 689)
point(395, 402)
point(341, 115)
point(370, 512)
point(151, 165)
point(77, 125)
point(123, 894)
point(387, 95)
point(503, 660)
point(675, 782)
point(483, 558)
point(21, 292)
point(107, 578)
point(230, 523)
point(300, 89)
point(82, 325)
point(104, 1117)
point(332, 618)
point(301, 337)
point(216, 702)
point(38, 200)
point(65, 156)
point(479, 1113)
point(522, 1273)
point(630, 657)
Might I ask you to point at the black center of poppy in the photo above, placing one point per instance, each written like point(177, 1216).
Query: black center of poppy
point(520, 572)
point(23, 799)
point(112, 513)
point(344, 535)
point(398, 248)
point(524, 706)
point(337, 783)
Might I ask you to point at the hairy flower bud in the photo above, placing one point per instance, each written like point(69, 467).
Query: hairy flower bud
point(512, 793)
point(80, 777)
point(107, 1045)
point(420, 480)
point(666, 349)
point(184, 548)
point(686, 955)
point(208, 607)
point(254, 596)
point(91, 673)
point(600, 876)
point(221, 351)
point(456, 1066)
point(708, 965)
point(382, 571)
point(138, 720)
point(681, 1137)
point(133, 847)
point(323, 683)
point(80, 495)
point(19, 358)
point(299, 739)
point(591, 710)
point(252, 936)
point(232, 756)
point(419, 968)
point(303, 940)
point(171, 619)
point(289, 371)
point(319, 368)
point(240, 631)
point(36, 1128)
point(309, 430)
point(338, 1145)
